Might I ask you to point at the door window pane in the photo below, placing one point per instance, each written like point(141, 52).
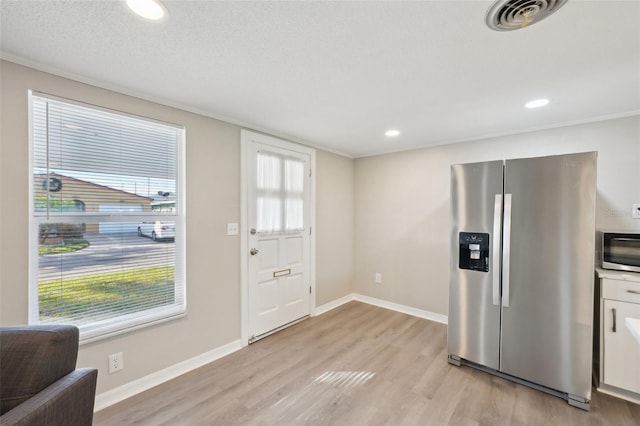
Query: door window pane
point(279, 187)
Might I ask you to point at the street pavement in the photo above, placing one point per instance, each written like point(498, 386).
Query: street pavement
point(107, 253)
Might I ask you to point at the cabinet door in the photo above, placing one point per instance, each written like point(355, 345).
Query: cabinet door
point(621, 349)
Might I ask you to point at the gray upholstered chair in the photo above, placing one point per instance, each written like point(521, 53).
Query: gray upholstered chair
point(39, 382)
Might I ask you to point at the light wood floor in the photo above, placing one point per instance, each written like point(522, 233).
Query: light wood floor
point(355, 365)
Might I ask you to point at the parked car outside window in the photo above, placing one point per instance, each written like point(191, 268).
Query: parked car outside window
point(157, 230)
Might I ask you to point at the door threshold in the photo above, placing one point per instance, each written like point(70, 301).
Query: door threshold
point(254, 339)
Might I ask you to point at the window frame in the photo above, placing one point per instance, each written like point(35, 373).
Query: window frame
point(99, 330)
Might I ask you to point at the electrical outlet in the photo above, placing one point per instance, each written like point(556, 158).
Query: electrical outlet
point(116, 362)
point(378, 278)
point(635, 211)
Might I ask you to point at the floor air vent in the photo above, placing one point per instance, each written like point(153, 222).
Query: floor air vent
point(507, 15)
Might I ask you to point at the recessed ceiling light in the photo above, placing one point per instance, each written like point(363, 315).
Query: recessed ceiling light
point(392, 133)
point(537, 103)
point(152, 10)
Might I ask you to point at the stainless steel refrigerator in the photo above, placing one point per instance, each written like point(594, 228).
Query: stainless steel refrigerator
point(522, 271)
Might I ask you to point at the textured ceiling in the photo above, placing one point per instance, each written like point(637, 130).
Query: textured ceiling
point(338, 74)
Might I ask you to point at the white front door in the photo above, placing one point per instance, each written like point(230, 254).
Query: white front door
point(278, 237)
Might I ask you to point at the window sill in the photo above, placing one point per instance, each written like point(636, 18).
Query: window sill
point(97, 335)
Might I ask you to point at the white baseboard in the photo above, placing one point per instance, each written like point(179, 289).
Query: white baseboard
point(142, 384)
point(431, 316)
point(619, 393)
point(383, 304)
point(334, 304)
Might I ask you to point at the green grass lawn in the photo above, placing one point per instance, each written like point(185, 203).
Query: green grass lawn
point(116, 293)
point(67, 247)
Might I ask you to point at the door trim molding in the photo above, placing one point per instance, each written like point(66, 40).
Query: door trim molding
point(246, 138)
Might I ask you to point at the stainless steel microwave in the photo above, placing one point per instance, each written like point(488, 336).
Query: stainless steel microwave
point(621, 251)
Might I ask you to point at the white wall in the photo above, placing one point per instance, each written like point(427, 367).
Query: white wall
point(334, 222)
point(402, 203)
point(213, 200)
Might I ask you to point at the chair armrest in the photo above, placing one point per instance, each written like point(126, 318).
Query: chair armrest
point(32, 358)
point(68, 401)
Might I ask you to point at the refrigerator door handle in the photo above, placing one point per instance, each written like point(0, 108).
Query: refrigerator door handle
point(506, 250)
point(497, 225)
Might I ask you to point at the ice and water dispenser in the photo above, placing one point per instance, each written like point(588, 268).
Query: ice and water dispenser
point(474, 251)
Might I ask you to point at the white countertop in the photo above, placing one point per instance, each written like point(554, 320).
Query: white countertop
point(633, 324)
point(618, 275)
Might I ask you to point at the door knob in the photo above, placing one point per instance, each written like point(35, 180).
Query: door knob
point(253, 251)
point(253, 231)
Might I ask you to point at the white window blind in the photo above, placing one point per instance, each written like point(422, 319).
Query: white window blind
point(279, 187)
point(107, 227)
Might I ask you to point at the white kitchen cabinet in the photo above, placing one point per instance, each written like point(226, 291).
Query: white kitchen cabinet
point(622, 351)
point(619, 349)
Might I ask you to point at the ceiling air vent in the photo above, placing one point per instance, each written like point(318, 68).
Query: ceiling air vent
point(507, 15)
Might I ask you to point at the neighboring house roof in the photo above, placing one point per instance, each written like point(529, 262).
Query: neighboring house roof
point(97, 186)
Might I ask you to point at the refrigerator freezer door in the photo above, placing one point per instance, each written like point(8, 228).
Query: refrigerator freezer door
point(473, 330)
point(547, 326)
